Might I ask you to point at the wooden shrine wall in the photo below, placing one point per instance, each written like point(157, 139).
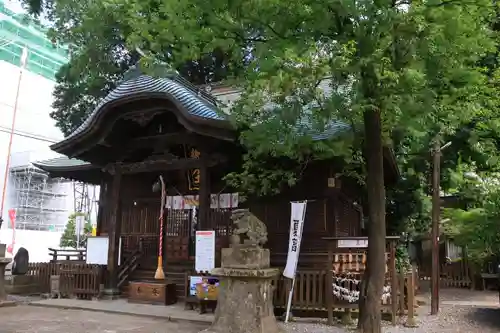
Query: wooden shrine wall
point(329, 213)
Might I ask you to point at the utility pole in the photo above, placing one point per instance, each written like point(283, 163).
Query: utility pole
point(436, 217)
point(436, 171)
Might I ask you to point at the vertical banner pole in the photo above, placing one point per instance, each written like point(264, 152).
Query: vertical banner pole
point(289, 301)
point(298, 215)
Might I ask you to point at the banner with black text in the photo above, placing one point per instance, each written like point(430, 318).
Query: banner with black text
point(296, 228)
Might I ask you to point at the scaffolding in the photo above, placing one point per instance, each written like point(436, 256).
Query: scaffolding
point(41, 202)
point(85, 198)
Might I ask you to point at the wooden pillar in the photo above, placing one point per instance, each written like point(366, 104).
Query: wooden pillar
point(114, 231)
point(410, 322)
point(204, 209)
point(394, 282)
point(103, 190)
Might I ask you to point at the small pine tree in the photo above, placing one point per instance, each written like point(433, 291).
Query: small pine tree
point(68, 238)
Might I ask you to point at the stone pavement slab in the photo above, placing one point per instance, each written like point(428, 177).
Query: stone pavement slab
point(174, 312)
point(30, 319)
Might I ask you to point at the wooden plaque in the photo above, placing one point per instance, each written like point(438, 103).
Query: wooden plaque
point(152, 292)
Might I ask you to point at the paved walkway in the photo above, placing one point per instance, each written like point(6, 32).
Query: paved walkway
point(461, 311)
point(174, 312)
point(29, 319)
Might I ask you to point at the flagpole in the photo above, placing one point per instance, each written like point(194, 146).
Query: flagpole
point(290, 293)
point(24, 58)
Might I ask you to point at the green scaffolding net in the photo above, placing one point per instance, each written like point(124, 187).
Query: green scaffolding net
point(18, 31)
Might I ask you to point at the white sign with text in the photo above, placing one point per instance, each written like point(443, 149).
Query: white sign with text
point(354, 243)
point(205, 251)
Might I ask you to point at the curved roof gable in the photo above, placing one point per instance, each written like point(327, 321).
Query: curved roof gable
point(142, 85)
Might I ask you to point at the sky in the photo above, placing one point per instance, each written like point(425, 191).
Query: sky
point(14, 5)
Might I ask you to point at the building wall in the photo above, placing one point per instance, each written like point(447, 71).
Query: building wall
point(34, 130)
point(36, 242)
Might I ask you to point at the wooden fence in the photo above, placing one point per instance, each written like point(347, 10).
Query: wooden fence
point(309, 293)
point(315, 289)
point(62, 255)
point(457, 274)
point(75, 280)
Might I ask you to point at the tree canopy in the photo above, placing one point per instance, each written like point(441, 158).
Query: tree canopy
point(390, 65)
point(99, 56)
point(403, 74)
point(69, 238)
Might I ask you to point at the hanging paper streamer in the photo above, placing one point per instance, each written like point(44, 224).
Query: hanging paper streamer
point(217, 201)
point(352, 296)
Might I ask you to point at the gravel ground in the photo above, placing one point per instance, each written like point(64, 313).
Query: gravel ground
point(461, 311)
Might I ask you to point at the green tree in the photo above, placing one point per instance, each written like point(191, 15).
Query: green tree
point(69, 239)
point(391, 65)
point(474, 145)
point(99, 57)
point(476, 227)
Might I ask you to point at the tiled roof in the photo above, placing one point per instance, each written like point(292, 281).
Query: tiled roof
point(60, 162)
point(194, 104)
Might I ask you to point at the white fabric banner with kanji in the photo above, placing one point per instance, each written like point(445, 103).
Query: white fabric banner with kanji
point(296, 227)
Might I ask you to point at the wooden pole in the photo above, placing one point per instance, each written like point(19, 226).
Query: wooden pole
point(329, 287)
point(436, 163)
point(114, 232)
point(394, 282)
point(410, 322)
point(160, 274)
point(402, 284)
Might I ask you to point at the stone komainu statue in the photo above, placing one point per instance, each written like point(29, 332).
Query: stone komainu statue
point(248, 228)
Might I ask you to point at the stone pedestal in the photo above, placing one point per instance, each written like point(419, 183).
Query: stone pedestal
point(21, 285)
point(3, 262)
point(245, 302)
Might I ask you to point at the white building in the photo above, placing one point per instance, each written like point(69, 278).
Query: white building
point(41, 203)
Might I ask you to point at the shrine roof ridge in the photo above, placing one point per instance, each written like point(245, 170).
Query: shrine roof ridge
point(145, 85)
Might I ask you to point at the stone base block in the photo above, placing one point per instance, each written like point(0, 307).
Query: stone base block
point(245, 306)
point(19, 280)
point(245, 257)
point(21, 285)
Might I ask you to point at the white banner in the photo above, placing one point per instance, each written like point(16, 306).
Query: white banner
point(296, 228)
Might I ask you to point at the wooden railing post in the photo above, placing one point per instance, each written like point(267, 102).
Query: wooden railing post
point(410, 322)
point(394, 283)
point(402, 284)
point(329, 283)
point(141, 245)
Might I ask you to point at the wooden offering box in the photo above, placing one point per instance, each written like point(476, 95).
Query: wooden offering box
point(152, 292)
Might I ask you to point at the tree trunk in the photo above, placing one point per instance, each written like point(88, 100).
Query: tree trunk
point(373, 280)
